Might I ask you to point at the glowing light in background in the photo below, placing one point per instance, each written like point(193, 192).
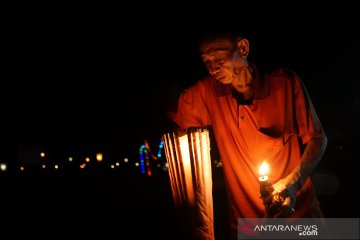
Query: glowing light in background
point(148, 160)
point(99, 157)
point(3, 167)
point(145, 154)
point(161, 146)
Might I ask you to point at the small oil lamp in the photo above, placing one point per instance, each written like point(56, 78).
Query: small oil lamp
point(266, 190)
point(265, 186)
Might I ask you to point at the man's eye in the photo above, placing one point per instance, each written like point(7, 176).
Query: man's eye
point(207, 63)
point(219, 60)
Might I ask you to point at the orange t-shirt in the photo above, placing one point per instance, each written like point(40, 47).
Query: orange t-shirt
point(269, 129)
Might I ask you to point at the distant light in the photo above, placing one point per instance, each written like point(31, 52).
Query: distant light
point(158, 165)
point(117, 163)
point(165, 167)
point(22, 168)
point(56, 166)
point(87, 159)
point(126, 160)
point(3, 167)
point(43, 166)
point(82, 165)
point(99, 157)
point(42, 154)
point(137, 164)
point(112, 166)
point(70, 159)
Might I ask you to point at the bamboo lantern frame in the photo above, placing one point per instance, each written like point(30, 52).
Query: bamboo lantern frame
point(189, 164)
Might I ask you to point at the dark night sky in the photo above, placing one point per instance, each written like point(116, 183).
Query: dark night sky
point(102, 75)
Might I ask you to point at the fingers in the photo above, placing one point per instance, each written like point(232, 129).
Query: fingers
point(287, 208)
point(287, 202)
point(279, 186)
point(285, 211)
point(276, 207)
point(279, 204)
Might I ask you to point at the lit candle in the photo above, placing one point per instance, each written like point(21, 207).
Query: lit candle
point(264, 169)
point(264, 180)
point(266, 189)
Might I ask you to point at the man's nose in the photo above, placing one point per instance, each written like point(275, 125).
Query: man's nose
point(214, 69)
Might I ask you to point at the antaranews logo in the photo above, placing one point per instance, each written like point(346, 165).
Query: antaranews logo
point(248, 229)
point(303, 230)
point(298, 228)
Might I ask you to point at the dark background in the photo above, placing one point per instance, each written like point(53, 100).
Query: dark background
point(104, 73)
point(99, 77)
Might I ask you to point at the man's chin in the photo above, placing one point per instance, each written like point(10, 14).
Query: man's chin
point(224, 81)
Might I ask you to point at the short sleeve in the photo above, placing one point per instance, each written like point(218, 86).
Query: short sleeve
point(191, 108)
point(308, 123)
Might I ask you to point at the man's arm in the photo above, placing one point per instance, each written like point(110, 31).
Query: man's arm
point(288, 186)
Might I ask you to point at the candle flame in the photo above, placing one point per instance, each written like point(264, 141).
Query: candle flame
point(264, 168)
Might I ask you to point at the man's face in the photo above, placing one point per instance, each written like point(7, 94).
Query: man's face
point(225, 64)
point(216, 56)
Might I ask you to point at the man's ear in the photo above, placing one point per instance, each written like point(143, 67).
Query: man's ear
point(243, 47)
